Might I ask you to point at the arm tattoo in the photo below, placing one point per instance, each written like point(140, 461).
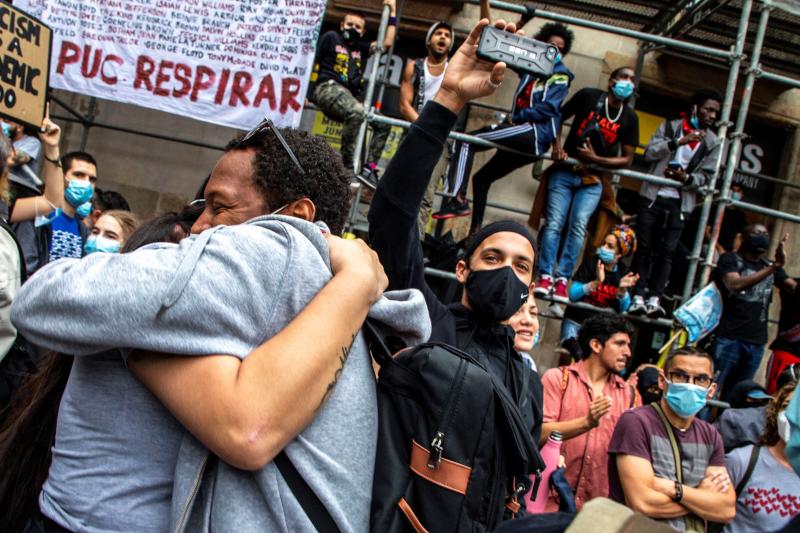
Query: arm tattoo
point(344, 353)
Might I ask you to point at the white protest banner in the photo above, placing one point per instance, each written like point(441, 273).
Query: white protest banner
point(229, 62)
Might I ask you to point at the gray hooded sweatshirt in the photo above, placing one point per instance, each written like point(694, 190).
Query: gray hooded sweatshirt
point(119, 455)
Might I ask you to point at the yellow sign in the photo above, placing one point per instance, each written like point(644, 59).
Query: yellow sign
point(331, 131)
point(648, 124)
point(24, 65)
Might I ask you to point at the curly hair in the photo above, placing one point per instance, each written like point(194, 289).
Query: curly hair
point(703, 95)
point(601, 327)
point(325, 182)
point(775, 406)
point(559, 30)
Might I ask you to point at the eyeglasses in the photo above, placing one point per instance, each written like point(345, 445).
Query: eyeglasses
point(267, 124)
point(678, 376)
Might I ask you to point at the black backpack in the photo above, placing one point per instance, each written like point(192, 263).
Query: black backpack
point(454, 453)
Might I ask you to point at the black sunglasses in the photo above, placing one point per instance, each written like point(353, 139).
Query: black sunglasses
point(267, 124)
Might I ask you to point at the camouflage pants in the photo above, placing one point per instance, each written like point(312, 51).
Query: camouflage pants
point(439, 173)
point(338, 103)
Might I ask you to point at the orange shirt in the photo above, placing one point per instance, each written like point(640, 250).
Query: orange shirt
point(568, 395)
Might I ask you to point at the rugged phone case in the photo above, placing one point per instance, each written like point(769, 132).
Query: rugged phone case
point(521, 54)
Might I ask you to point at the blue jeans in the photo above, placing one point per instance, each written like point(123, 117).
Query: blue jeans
point(735, 361)
point(568, 201)
point(569, 328)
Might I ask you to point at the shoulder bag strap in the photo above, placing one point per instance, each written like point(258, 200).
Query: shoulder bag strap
point(309, 501)
point(751, 465)
point(676, 451)
point(693, 523)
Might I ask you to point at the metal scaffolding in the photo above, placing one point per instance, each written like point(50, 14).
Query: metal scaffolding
point(731, 142)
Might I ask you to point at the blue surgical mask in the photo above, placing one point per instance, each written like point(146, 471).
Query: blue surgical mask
point(622, 89)
point(685, 399)
point(737, 196)
point(559, 57)
point(6, 129)
point(536, 338)
point(78, 192)
point(84, 210)
point(43, 220)
point(96, 243)
point(694, 122)
point(605, 255)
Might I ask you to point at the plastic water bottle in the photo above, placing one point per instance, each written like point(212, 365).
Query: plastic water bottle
point(550, 453)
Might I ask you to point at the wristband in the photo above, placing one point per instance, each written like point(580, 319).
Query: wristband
point(678, 492)
point(56, 161)
point(392, 21)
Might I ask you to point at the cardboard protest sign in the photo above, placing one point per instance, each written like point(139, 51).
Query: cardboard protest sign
point(230, 62)
point(24, 65)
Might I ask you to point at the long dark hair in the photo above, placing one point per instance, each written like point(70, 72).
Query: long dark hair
point(26, 436)
point(28, 432)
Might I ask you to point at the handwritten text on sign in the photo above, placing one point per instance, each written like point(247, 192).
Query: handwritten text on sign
point(224, 61)
point(24, 63)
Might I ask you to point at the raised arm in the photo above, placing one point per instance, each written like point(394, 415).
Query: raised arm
point(53, 197)
point(391, 31)
point(393, 214)
point(246, 411)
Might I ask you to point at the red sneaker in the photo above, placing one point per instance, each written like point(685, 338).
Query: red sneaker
point(543, 286)
point(560, 290)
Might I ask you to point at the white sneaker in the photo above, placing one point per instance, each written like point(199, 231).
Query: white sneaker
point(654, 309)
point(637, 306)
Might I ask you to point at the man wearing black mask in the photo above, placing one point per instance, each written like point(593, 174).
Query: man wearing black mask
point(340, 62)
point(497, 270)
point(745, 279)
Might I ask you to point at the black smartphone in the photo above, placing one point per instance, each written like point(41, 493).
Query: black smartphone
point(521, 54)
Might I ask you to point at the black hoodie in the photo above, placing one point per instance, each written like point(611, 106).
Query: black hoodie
point(394, 236)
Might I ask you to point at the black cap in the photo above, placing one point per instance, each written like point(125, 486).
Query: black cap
point(497, 227)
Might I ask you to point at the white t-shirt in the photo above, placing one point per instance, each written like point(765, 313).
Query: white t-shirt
point(683, 155)
point(432, 83)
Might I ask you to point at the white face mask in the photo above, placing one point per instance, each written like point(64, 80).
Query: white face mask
point(783, 426)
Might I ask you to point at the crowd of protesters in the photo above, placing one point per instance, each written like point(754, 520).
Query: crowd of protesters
point(206, 369)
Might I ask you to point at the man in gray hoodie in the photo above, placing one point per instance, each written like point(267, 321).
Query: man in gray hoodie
point(284, 368)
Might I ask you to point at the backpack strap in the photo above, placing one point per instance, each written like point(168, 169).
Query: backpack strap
point(751, 465)
point(309, 501)
point(693, 523)
point(564, 377)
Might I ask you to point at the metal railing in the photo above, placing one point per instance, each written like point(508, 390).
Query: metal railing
point(735, 56)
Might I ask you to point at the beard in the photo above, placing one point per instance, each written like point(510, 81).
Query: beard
point(438, 56)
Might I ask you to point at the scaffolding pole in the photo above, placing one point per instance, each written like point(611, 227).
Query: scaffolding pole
point(722, 132)
point(472, 139)
point(736, 144)
point(373, 80)
point(641, 36)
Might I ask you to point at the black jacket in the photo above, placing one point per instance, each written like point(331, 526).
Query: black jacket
point(394, 236)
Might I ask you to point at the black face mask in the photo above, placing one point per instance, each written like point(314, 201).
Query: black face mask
point(650, 397)
point(757, 243)
point(495, 294)
point(350, 35)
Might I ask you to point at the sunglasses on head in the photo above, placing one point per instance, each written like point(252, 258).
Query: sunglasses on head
point(267, 124)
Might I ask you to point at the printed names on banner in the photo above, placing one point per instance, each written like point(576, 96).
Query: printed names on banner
point(223, 61)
